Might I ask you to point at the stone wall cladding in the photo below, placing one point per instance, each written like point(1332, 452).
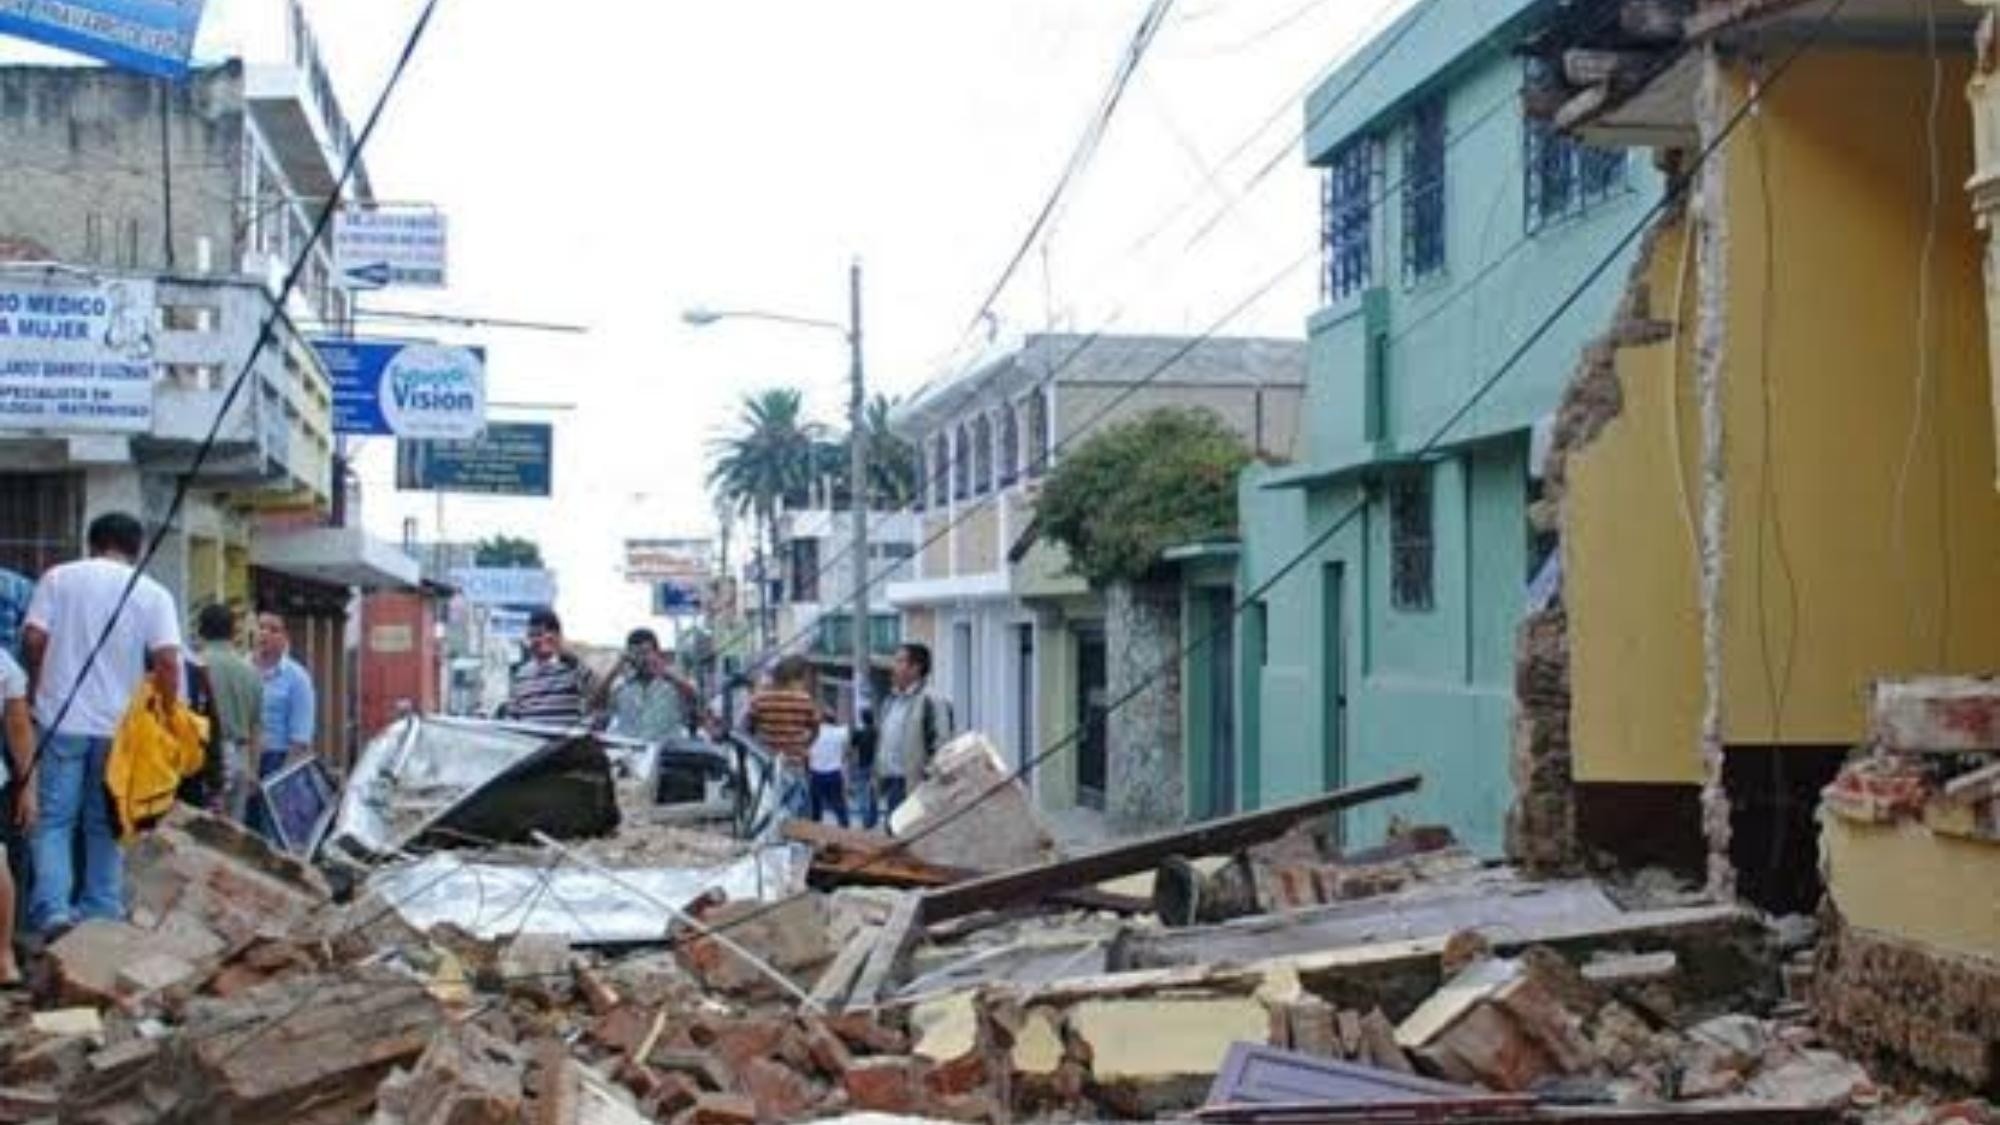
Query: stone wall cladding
point(1541, 826)
point(1145, 788)
point(1909, 1010)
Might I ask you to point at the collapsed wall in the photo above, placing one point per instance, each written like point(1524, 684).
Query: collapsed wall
point(1542, 826)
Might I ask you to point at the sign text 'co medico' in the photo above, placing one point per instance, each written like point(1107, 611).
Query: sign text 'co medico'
point(389, 388)
point(76, 358)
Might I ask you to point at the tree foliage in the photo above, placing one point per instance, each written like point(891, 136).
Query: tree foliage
point(507, 552)
point(1132, 491)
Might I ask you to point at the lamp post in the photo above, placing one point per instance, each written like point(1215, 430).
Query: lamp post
point(857, 451)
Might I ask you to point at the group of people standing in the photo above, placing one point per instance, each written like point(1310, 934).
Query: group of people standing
point(826, 767)
point(77, 648)
point(874, 761)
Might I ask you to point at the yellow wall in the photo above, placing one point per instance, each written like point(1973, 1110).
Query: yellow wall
point(1844, 138)
point(979, 547)
point(1631, 565)
point(1902, 879)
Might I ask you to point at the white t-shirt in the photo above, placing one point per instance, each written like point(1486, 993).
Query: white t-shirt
point(13, 686)
point(72, 603)
point(829, 749)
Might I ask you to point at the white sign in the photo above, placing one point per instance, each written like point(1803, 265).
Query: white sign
point(387, 246)
point(518, 586)
point(669, 560)
point(76, 357)
point(429, 391)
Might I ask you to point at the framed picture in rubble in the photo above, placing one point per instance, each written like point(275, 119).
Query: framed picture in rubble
point(301, 799)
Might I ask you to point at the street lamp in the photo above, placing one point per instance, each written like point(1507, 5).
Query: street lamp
point(857, 447)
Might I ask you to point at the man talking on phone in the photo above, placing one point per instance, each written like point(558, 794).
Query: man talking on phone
point(650, 700)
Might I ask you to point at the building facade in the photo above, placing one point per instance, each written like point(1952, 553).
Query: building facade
point(1020, 643)
point(819, 567)
point(199, 196)
point(1388, 571)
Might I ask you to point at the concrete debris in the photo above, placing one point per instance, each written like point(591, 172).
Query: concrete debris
point(1403, 968)
point(970, 812)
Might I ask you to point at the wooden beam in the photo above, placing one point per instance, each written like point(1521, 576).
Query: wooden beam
point(1589, 67)
point(890, 950)
point(1214, 837)
point(834, 984)
point(844, 856)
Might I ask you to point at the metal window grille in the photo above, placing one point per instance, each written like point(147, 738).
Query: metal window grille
point(1423, 191)
point(1038, 434)
point(1347, 221)
point(1412, 551)
point(1564, 177)
point(961, 464)
point(941, 471)
point(982, 456)
point(805, 570)
point(1010, 447)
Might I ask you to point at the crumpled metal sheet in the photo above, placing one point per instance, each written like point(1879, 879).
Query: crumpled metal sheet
point(495, 900)
point(418, 768)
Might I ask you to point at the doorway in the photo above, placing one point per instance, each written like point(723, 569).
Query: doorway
point(1219, 604)
point(1092, 696)
point(1024, 702)
point(1333, 687)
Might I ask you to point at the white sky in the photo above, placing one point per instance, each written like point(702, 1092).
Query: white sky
point(611, 162)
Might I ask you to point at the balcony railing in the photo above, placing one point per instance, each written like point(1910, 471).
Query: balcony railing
point(832, 632)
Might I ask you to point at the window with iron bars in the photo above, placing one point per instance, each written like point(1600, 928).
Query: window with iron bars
point(1346, 221)
point(1565, 177)
point(1412, 551)
point(1423, 191)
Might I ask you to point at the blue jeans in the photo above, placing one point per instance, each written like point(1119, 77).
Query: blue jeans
point(862, 796)
point(69, 783)
point(894, 790)
point(829, 794)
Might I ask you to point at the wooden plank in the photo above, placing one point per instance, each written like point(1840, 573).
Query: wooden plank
point(831, 991)
point(1214, 837)
point(844, 856)
point(888, 953)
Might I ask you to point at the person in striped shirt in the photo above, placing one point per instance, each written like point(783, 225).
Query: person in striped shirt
point(785, 718)
point(549, 687)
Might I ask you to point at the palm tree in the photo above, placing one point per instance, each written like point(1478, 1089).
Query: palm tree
point(767, 463)
point(892, 462)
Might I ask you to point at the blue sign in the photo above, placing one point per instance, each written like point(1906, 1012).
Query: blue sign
point(399, 388)
point(676, 597)
point(150, 36)
point(511, 459)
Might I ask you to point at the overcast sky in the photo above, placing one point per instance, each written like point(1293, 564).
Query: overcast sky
point(610, 162)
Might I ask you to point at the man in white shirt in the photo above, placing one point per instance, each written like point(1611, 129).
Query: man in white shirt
point(79, 702)
point(827, 763)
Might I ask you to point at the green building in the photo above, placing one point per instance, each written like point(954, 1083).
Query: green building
point(1450, 228)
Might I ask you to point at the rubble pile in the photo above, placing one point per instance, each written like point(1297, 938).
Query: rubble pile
point(242, 990)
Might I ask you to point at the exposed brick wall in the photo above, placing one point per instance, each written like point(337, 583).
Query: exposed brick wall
point(1542, 831)
point(1910, 1010)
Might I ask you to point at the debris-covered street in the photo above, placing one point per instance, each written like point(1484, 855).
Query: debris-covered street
point(592, 954)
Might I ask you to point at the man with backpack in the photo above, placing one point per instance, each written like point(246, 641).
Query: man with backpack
point(915, 723)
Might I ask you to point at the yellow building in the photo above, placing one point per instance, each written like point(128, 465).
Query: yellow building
point(1777, 488)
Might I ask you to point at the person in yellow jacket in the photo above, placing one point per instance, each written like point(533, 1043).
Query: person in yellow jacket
point(158, 745)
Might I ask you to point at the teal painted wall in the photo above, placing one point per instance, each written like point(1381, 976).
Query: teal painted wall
point(1428, 691)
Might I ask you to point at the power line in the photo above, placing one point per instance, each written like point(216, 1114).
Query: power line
point(185, 481)
point(1082, 430)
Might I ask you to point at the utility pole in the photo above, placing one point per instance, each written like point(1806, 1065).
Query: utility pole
point(857, 471)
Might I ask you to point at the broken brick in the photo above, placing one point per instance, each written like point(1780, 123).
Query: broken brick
point(885, 1085)
point(863, 1032)
point(672, 1092)
point(780, 1093)
point(958, 1076)
point(829, 1054)
point(723, 1109)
